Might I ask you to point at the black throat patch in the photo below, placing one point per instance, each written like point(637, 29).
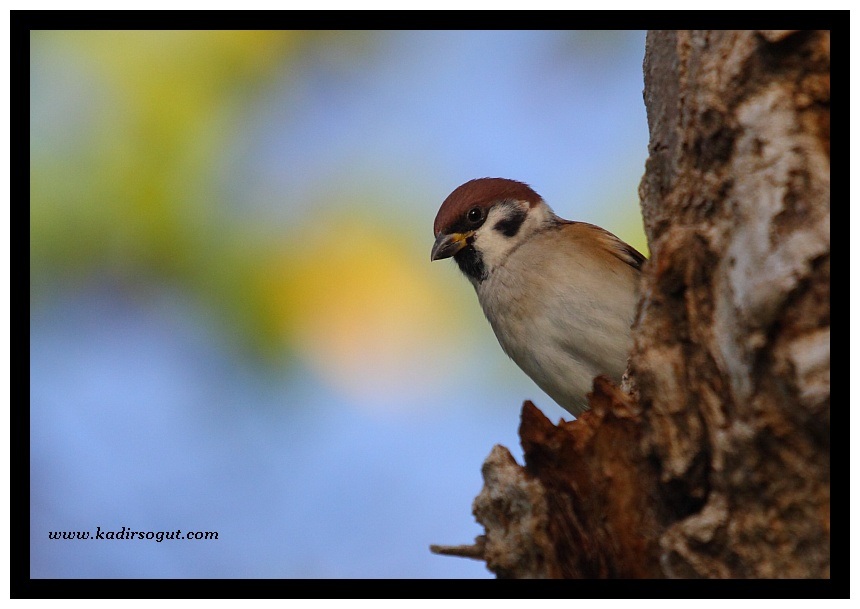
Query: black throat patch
point(471, 263)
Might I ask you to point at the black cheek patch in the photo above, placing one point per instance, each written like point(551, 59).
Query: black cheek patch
point(510, 226)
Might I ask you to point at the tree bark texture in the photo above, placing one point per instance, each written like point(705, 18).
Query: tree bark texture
point(717, 464)
point(732, 355)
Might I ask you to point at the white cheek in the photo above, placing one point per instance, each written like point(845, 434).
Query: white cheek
point(493, 244)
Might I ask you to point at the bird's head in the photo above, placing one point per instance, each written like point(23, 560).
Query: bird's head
point(484, 220)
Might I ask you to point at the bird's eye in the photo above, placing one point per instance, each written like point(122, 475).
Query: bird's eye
point(474, 215)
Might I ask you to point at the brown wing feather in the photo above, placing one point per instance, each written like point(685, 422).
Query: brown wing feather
point(621, 250)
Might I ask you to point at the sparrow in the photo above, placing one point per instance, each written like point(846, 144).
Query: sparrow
point(559, 295)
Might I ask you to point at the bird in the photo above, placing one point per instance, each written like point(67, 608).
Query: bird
point(560, 295)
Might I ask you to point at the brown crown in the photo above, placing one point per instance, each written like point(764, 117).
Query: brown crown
point(481, 192)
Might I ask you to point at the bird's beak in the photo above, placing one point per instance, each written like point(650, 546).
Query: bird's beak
point(448, 245)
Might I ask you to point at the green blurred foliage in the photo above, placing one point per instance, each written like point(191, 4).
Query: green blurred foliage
point(128, 134)
point(127, 130)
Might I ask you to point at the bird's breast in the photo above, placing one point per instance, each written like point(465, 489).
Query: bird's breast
point(561, 328)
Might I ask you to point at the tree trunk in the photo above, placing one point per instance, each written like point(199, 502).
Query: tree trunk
point(717, 464)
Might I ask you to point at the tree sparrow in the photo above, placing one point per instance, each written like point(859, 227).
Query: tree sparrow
point(560, 295)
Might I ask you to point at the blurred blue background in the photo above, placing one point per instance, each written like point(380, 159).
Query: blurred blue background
point(234, 322)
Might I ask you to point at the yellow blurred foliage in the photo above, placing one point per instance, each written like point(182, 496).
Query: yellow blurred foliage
point(359, 303)
point(129, 130)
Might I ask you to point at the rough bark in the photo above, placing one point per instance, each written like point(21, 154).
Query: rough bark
point(720, 465)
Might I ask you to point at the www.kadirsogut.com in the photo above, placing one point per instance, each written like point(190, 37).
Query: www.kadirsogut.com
point(127, 533)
